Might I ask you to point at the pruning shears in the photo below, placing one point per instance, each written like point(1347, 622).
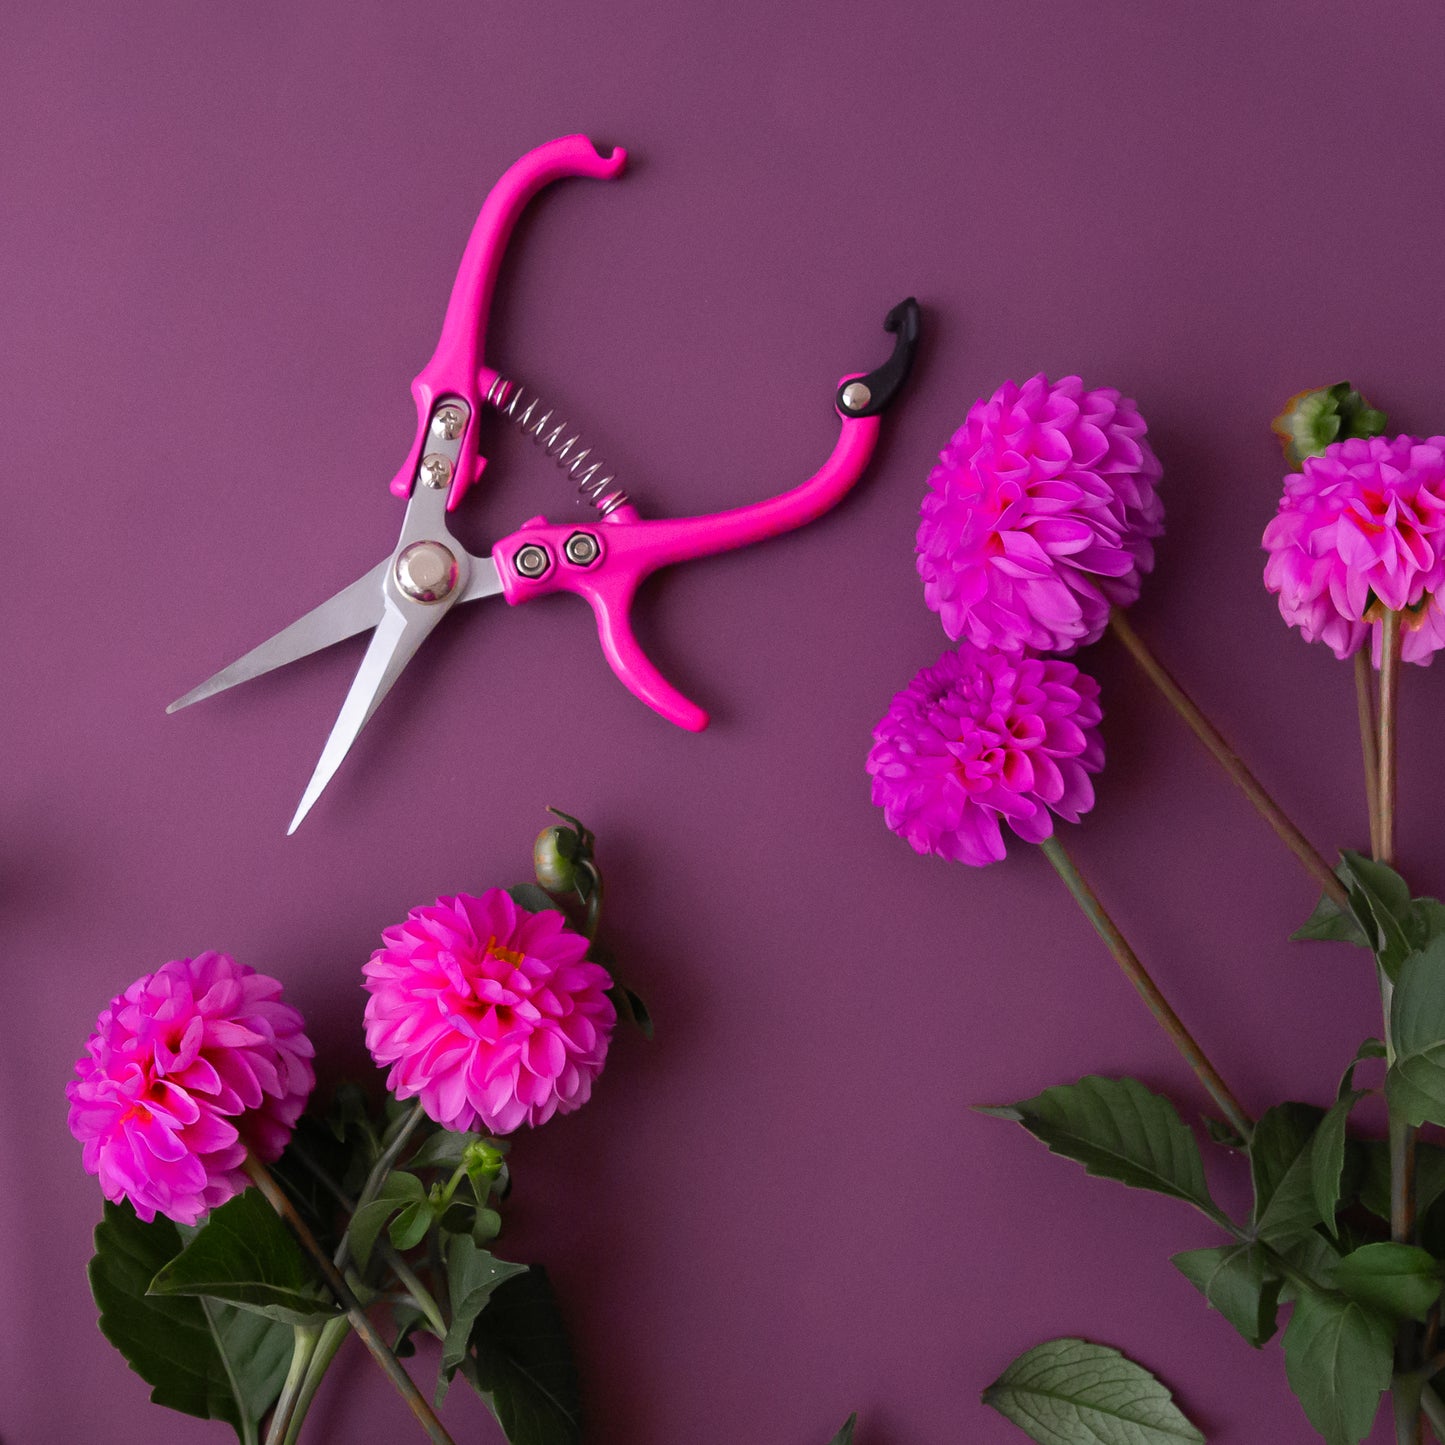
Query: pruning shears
point(603, 559)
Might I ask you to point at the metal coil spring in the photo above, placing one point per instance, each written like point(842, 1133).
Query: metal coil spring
point(528, 411)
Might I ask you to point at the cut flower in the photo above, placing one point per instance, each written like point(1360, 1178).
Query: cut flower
point(1040, 516)
point(190, 1068)
point(1360, 529)
point(982, 738)
point(489, 1014)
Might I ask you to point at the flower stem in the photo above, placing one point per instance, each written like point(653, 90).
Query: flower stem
point(1228, 759)
point(1389, 692)
point(333, 1332)
point(302, 1351)
point(379, 1171)
point(1148, 990)
point(261, 1177)
point(1369, 742)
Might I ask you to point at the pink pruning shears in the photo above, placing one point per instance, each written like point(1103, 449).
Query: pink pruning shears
point(403, 597)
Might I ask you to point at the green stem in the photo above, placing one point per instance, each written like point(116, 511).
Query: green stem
point(1389, 691)
point(1148, 990)
point(1369, 742)
point(333, 1332)
point(261, 1177)
point(1228, 759)
point(302, 1349)
point(1434, 1408)
point(379, 1171)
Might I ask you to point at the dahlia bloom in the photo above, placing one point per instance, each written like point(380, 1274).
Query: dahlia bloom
point(982, 738)
point(190, 1068)
point(1361, 529)
point(489, 1014)
point(1040, 517)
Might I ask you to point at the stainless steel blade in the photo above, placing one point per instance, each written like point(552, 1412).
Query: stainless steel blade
point(352, 610)
point(484, 581)
point(397, 637)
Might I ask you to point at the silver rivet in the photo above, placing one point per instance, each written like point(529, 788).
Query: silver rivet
point(531, 561)
point(436, 470)
point(581, 548)
point(856, 396)
point(426, 571)
point(448, 423)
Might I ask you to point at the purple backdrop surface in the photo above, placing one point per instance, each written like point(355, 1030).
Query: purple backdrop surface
point(227, 237)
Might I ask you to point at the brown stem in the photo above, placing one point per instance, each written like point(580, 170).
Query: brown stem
point(1369, 742)
point(1389, 691)
point(1228, 759)
point(1148, 990)
point(261, 1178)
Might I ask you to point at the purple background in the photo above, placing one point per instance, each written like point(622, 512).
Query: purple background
point(228, 234)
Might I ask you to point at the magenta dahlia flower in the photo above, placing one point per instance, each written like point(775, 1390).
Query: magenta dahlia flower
point(489, 1014)
point(190, 1068)
point(1040, 516)
point(983, 738)
point(1362, 529)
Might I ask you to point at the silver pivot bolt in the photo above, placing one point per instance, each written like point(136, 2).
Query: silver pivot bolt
point(426, 572)
point(581, 548)
point(856, 396)
point(448, 423)
point(436, 470)
point(531, 561)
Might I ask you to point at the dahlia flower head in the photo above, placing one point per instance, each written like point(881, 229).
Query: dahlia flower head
point(489, 1014)
point(1360, 529)
point(983, 738)
point(1040, 516)
point(190, 1068)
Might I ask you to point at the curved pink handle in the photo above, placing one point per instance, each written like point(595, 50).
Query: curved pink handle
point(454, 367)
point(624, 549)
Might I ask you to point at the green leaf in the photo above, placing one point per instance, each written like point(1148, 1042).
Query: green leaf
point(1426, 922)
point(1067, 1391)
point(245, 1255)
point(1338, 1355)
point(1415, 1084)
point(523, 1364)
point(1314, 1258)
point(398, 1190)
point(444, 1149)
point(1382, 906)
point(631, 1009)
point(1369, 1049)
point(1331, 923)
point(534, 899)
point(472, 1276)
point(1118, 1129)
point(1237, 1281)
point(1327, 1157)
point(199, 1357)
point(410, 1226)
point(1399, 1280)
point(1280, 1162)
point(845, 1435)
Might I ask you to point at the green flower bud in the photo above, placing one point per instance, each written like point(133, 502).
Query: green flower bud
point(1314, 419)
point(554, 856)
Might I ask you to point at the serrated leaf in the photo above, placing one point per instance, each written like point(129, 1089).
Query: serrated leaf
point(1280, 1163)
point(472, 1277)
point(246, 1256)
point(1118, 1129)
point(845, 1435)
point(523, 1364)
point(1338, 1355)
point(1237, 1281)
point(1330, 923)
point(1398, 1280)
point(1415, 1083)
point(201, 1358)
point(398, 1190)
point(1382, 905)
point(1327, 1157)
point(1067, 1391)
point(410, 1226)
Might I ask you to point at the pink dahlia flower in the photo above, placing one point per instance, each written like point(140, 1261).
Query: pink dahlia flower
point(1040, 516)
point(489, 1014)
point(983, 738)
point(190, 1068)
point(1360, 529)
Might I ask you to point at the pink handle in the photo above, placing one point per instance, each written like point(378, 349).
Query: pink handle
point(624, 549)
point(454, 367)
